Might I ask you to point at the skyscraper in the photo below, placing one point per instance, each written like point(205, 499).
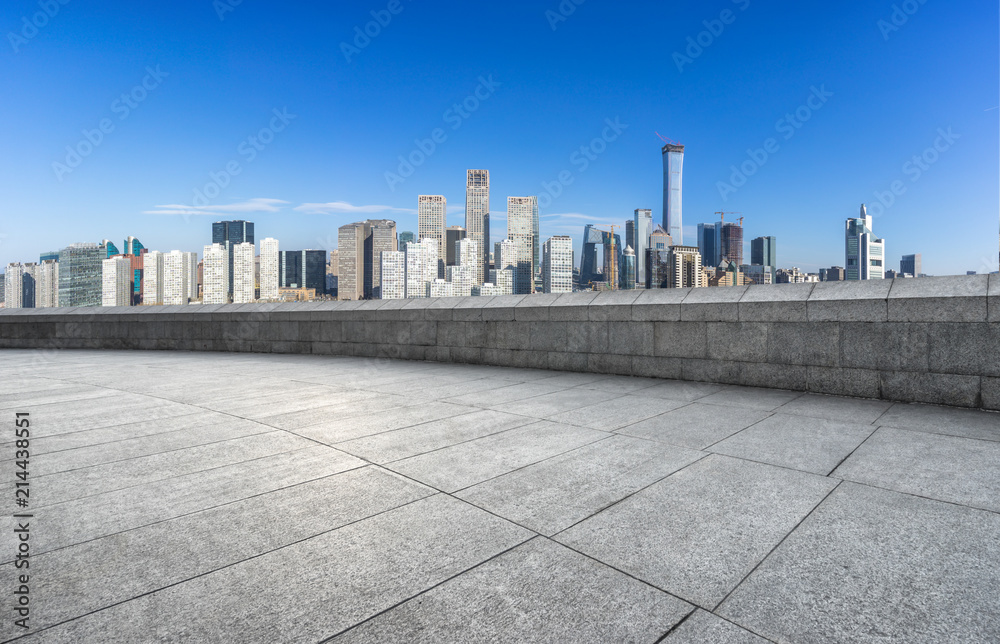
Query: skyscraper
point(764, 251)
point(215, 261)
point(228, 234)
point(557, 265)
point(133, 246)
point(522, 213)
point(243, 273)
point(453, 235)
point(708, 244)
point(643, 224)
point(269, 269)
point(628, 269)
point(405, 238)
point(80, 274)
point(382, 240)
point(393, 272)
point(421, 267)
point(351, 244)
point(477, 215)
point(116, 281)
point(685, 267)
point(47, 284)
point(865, 253)
point(303, 269)
point(912, 264)
point(152, 278)
point(730, 237)
point(177, 270)
point(432, 213)
point(673, 175)
point(14, 287)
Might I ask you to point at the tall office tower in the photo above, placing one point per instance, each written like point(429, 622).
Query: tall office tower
point(685, 267)
point(730, 243)
point(536, 248)
point(303, 269)
point(630, 233)
point(269, 269)
point(14, 287)
point(47, 284)
point(49, 255)
point(152, 278)
point(764, 251)
point(382, 240)
point(643, 224)
point(557, 265)
point(628, 269)
point(708, 244)
point(673, 175)
point(760, 274)
point(452, 235)
point(432, 212)
point(177, 267)
point(522, 212)
point(864, 252)
point(116, 281)
point(243, 277)
point(80, 274)
point(228, 234)
point(460, 278)
point(393, 271)
point(215, 285)
point(133, 246)
point(477, 215)
point(351, 240)
point(660, 239)
point(505, 257)
point(193, 275)
point(405, 238)
point(431, 260)
point(912, 264)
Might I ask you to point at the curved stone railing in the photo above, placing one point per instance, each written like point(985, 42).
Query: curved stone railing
point(934, 340)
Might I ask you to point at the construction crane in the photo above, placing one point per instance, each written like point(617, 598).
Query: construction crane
point(666, 140)
point(723, 215)
point(612, 280)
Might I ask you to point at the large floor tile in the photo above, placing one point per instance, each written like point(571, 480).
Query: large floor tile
point(538, 592)
point(698, 533)
point(873, 565)
point(696, 426)
point(751, 397)
point(378, 420)
point(705, 628)
point(856, 410)
point(550, 404)
point(969, 423)
point(618, 412)
point(809, 444)
point(556, 493)
point(947, 468)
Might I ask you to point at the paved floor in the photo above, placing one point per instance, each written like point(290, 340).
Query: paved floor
point(184, 497)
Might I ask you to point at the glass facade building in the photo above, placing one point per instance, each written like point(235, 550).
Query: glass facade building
point(80, 274)
point(865, 253)
point(673, 178)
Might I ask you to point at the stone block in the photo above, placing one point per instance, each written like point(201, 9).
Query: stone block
point(586, 337)
point(742, 341)
point(631, 338)
point(804, 343)
point(423, 332)
point(571, 307)
point(613, 305)
point(965, 348)
point(863, 301)
point(957, 298)
point(838, 381)
point(546, 336)
point(775, 303)
point(712, 304)
point(680, 339)
point(451, 334)
point(779, 376)
point(653, 367)
point(565, 361)
point(934, 388)
point(720, 371)
point(609, 363)
point(993, 298)
point(659, 304)
point(896, 346)
point(534, 308)
point(466, 355)
point(991, 393)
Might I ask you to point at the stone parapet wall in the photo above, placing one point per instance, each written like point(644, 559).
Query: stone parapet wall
point(934, 340)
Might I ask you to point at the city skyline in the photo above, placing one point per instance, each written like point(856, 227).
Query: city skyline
point(162, 167)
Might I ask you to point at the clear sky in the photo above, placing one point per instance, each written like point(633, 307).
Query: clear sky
point(873, 87)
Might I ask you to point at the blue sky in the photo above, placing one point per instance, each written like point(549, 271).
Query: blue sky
point(177, 154)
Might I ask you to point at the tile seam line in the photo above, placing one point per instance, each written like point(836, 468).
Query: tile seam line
point(921, 496)
point(93, 429)
point(853, 451)
point(775, 548)
point(230, 565)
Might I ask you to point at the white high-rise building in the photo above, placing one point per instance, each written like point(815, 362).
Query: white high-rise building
point(673, 177)
point(116, 281)
point(417, 284)
point(14, 286)
point(522, 212)
point(865, 252)
point(477, 215)
point(243, 273)
point(469, 254)
point(269, 270)
point(177, 272)
point(557, 265)
point(393, 265)
point(47, 284)
point(505, 281)
point(215, 275)
point(441, 288)
point(152, 278)
point(431, 263)
point(488, 289)
point(461, 280)
point(432, 213)
point(685, 267)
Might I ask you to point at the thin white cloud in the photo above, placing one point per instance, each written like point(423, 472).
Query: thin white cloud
point(344, 208)
point(574, 215)
point(249, 206)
